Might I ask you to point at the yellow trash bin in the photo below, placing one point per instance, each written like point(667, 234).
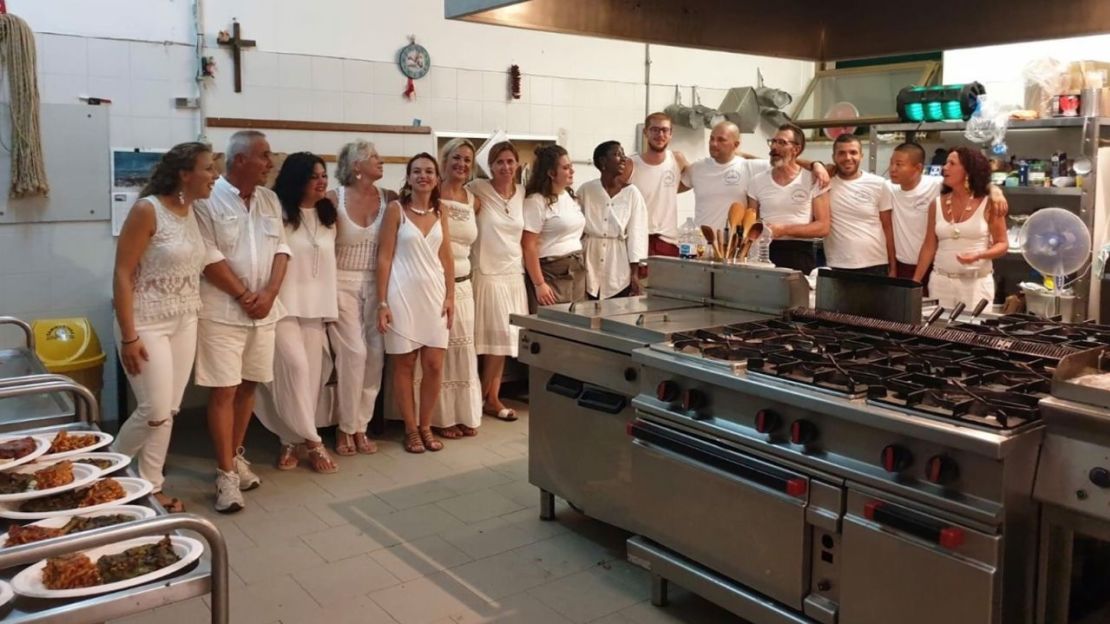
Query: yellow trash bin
point(70, 347)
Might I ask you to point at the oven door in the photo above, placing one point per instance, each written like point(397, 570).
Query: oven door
point(900, 564)
point(735, 514)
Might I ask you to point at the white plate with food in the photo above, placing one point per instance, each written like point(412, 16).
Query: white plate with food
point(18, 450)
point(105, 462)
point(107, 492)
point(109, 568)
point(36, 480)
point(69, 443)
point(71, 524)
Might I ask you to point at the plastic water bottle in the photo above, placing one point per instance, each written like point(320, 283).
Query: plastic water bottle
point(689, 239)
point(763, 247)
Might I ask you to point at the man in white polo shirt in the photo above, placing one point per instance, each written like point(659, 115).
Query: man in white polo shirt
point(655, 171)
point(791, 203)
point(241, 224)
point(861, 236)
point(722, 178)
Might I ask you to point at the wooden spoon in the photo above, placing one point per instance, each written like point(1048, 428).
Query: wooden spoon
point(750, 218)
point(736, 213)
point(751, 235)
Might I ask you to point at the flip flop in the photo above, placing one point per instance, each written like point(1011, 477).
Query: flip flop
point(467, 431)
point(450, 433)
point(172, 505)
point(505, 414)
point(344, 445)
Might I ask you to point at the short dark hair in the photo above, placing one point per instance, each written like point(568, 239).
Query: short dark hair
point(913, 150)
point(295, 173)
point(799, 134)
point(602, 150)
point(978, 170)
point(846, 138)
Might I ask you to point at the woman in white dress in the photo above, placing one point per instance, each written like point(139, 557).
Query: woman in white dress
point(159, 259)
point(553, 224)
point(498, 273)
point(309, 296)
point(459, 412)
point(964, 236)
point(616, 236)
point(359, 351)
point(416, 296)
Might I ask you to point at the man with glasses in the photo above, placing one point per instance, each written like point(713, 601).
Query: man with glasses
point(793, 206)
point(656, 172)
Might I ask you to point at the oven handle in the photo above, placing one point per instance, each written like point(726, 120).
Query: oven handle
point(913, 523)
point(565, 386)
point(734, 464)
point(601, 401)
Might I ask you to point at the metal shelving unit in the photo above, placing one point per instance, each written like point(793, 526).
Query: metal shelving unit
point(1082, 138)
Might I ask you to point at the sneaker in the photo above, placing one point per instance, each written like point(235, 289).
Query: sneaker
point(247, 479)
point(228, 497)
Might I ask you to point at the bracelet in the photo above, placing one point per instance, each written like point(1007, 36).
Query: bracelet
point(127, 342)
point(242, 294)
point(535, 285)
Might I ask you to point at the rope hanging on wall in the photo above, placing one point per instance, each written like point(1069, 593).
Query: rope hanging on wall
point(17, 60)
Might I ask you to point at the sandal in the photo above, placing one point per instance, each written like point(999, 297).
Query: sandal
point(467, 430)
point(320, 460)
point(413, 442)
point(450, 433)
point(505, 413)
point(429, 440)
point(344, 445)
point(169, 503)
point(364, 444)
point(287, 458)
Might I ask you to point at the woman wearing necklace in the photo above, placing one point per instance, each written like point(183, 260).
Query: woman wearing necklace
point(965, 236)
point(308, 293)
point(616, 237)
point(159, 259)
point(416, 296)
point(498, 273)
point(359, 352)
point(553, 224)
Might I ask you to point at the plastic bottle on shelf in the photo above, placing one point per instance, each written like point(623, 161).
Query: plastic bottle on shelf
point(763, 247)
point(689, 239)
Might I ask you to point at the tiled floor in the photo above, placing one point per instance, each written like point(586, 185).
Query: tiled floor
point(439, 538)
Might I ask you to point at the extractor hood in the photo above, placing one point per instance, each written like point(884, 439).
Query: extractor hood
point(802, 29)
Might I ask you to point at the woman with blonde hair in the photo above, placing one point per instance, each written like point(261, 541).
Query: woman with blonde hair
point(359, 352)
point(156, 293)
point(498, 272)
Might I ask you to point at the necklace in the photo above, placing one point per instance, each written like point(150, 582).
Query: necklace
point(505, 198)
point(953, 220)
point(419, 211)
point(315, 242)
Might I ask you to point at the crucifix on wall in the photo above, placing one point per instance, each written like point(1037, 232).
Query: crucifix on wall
point(237, 43)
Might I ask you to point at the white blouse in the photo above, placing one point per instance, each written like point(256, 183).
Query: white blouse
point(559, 224)
point(309, 288)
point(500, 224)
point(615, 236)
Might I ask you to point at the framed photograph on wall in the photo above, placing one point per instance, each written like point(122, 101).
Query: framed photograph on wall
point(131, 169)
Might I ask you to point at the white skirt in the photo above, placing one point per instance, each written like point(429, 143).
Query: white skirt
point(495, 298)
point(460, 399)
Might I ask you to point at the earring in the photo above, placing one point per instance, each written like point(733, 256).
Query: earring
point(967, 184)
point(181, 196)
point(358, 176)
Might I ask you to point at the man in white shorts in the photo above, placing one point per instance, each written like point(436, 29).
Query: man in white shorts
point(861, 236)
point(241, 224)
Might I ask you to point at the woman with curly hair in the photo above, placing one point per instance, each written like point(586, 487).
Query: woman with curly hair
point(159, 258)
point(553, 226)
point(964, 235)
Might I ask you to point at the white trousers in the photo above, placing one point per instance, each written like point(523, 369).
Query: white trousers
point(171, 346)
point(359, 354)
point(952, 290)
point(287, 406)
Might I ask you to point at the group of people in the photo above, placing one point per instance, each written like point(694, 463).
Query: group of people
point(270, 291)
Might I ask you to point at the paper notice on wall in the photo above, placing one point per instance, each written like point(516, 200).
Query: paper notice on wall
point(121, 205)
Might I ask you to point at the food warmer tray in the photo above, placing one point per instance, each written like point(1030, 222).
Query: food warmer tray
point(17, 365)
point(208, 575)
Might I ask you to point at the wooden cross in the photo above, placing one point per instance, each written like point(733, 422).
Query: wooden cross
point(236, 42)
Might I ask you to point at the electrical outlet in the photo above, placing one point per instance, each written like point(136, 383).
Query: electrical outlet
point(186, 102)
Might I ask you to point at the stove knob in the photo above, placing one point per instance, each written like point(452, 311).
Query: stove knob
point(803, 432)
point(630, 374)
point(667, 391)
point(767, 421)
point(896, 458)
point(941, 470)
point(693, 400)
point(1100, 477)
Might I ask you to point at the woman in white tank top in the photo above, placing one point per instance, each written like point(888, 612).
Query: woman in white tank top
point(359, 351)
point(965, 236)
point(159, 258)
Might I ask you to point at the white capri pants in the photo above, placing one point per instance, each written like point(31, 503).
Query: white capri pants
point(359, 352)
point(288, 404)
point(171, 345)
point(952, 290)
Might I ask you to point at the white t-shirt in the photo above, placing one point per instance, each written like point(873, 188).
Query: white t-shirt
point(791, 204)
point(717, 186)
point(911, 215)
point(559, 224)
point(659, 186)
point(856, 239)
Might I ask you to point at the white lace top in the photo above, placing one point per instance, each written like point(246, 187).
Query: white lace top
point(167, 282)
point(356, 247)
